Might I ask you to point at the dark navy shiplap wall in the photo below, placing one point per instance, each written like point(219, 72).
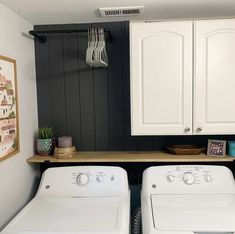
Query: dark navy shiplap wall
point(92, 105)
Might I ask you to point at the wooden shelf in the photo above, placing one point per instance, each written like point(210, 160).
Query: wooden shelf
point(129, 156)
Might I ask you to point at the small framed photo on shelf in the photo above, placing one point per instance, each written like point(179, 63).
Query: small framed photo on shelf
point(216, 148)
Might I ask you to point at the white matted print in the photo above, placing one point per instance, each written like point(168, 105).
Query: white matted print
point(9, 129)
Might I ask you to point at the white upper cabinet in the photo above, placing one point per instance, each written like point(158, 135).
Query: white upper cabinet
point(167, 98)
point(161, 78)
point(214, 78)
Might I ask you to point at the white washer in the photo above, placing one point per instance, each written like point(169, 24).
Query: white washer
point(188, 199)
point(78, 200)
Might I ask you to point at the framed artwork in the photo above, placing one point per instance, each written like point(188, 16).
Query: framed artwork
point(216, 148)
point(9, 123)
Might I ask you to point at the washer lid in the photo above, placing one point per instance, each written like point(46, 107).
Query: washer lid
point(198, 213)
point(79, 215)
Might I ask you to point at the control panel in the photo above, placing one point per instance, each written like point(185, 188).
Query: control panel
point(83, 178)
point(84, 181)
point(189, 175)
point(189, 179)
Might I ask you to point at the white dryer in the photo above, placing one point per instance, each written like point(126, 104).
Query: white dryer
point(77, 200)
point(188, 199)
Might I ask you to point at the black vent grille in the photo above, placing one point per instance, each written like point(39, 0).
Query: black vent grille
point(130, 12)
point(113, 12)
point(120, 12)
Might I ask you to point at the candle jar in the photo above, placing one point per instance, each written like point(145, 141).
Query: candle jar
point(65, 142)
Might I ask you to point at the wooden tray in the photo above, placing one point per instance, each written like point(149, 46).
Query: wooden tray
point(61, 153)
point(184, 149)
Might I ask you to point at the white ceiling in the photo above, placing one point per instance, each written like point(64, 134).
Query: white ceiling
point(81, 11)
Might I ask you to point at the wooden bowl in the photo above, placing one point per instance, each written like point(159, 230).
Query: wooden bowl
point(184, 149)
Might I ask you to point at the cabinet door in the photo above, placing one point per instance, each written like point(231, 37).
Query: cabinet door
point(161, 78)
point(214, 78)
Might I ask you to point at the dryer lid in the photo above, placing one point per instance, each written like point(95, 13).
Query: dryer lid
point(71, 215)
point(198, 213)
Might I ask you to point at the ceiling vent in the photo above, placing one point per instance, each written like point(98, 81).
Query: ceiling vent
point(121, 11)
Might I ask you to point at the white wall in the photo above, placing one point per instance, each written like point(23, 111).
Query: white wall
point(16, 176)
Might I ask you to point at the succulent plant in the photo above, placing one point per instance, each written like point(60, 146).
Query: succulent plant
point(45, 133)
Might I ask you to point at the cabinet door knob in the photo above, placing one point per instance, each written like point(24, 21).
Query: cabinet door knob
point(199, 129)
point(187, 129)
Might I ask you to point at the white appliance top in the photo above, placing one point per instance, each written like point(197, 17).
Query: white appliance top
point(71, 215)
point(84, 181)
point(190, 198)
point(197, 213)
point(81, 200)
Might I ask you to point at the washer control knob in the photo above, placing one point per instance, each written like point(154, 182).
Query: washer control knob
point(188, 178)
point(170, 178)
point(207, 178)
point(82, 179)
point(100, 178)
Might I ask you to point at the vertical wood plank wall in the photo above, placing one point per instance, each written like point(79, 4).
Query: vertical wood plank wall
point(92, 105)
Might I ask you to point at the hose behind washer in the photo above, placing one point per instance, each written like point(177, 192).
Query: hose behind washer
point(136, 222)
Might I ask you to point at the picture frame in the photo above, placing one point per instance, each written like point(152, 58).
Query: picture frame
point(216, 148)
point(9, 118)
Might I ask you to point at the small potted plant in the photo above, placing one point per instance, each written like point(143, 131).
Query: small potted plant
point(45, 140)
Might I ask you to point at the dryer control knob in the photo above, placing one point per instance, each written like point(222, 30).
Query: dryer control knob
point(188, 178)
point(82, 179)
point(170, 178)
